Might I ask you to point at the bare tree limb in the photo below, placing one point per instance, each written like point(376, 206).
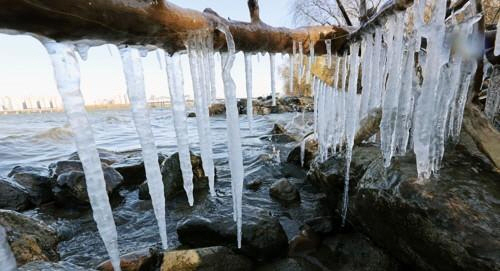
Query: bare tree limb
point(344, 13)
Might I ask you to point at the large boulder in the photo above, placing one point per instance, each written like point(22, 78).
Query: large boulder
point(29, 239)
point(205, 259)
point(263, 235)
point(172, 177)
point(70, 185)
point(146, 259)
point(13, 196)
point(217, 109)
point(450, 222)
point(279, 134)
point(310, 152)
point(36, 181)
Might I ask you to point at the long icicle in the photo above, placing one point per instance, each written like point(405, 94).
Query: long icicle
point(233, 129)
point(249, 83)
point(176, 90)
point(134, 77)
point(67, 76)
point(272, 61)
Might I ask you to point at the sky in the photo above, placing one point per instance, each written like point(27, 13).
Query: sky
point(26, 71)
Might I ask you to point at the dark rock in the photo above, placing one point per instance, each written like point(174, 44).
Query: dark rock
point(352, 252)
point(29, 239)
point(146, 259)
point(310, 152)
point(107, 157)
point(172, 177)
point(254, 184)
point(322, 225)
point(263, 236)
point(280, 135)
point(70, 185)
point(305, 242)
point(290, 264)
point(284, 191)
point(50, 266)
point(191, 115)
point(205, 259)
point(13, 196)
point(36, 181)
point(217, 109)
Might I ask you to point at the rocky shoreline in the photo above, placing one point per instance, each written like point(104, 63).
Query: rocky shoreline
point(394, 221)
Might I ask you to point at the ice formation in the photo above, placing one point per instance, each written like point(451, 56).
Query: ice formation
point(272, 61)
point(134, 77)
point(310, 62)
point(249, 83)
point(497, 40)
point(427, 108)
point(176, 90)
point(198, 54)
point(328, 44)
point(233, 130)
point(67, 76)
point(292, 59)
point(6, 256)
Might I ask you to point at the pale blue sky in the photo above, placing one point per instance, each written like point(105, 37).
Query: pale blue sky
point(25, 68)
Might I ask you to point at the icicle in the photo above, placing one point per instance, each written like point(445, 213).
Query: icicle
point(301, 61)
point(110, 51)
point(83, 50)
point(176, 90)
point(391, 97)
point(211, 62)
point(310, 63)
point(367, 51)
point(248, 73)
point(292, 66)
point(159, 52)
point(497, 39)
point(134, 77)
point(207, 94)
point(67, 75)
point(352, 110)
point(143, 52)
point(233, 129)
point(328, 44)
point(200, 89)
point(272, 61)
point(374, 100)
point(6, 256)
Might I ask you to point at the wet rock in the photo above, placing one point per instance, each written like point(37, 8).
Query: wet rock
point(290, 264)
point(217, 109)
point(284, 191)
point(146, 259)
point(36, 181)
point(322, 224)
point(29, 239)
point(107, 157)
point(352, 251)
point(310, 152)
point(263, 236)
point(447, 223)
point(306, 241)
point(254, 184)
point(131, 167)
point(50, 266)
point(280, 135)
point(191, 115)
point(172, 177)
point(70, 185)
point(13, 196)
point(216, 258)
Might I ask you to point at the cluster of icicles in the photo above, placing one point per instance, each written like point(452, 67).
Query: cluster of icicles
point(202, 66)
point(420, 91)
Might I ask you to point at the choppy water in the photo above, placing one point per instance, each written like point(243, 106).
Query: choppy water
point(40, 139)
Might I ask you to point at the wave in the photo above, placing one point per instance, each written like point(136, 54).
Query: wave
point(55, 134)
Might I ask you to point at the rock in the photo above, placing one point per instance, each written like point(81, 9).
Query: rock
point(280, 135)
point(263, 236)
point(205, 259)
point(131, 167)
point(290, 264)
point(254, 184)
point(306, 241)
point(310, 152)
point(70, 186)
point(146, 259)
point(107, 157)
point(29, 239)
point(13, 196)
point(49, 266)
point(322, 224)
point(353, 251)
point(191, 115)
point(284, 191)
point(172, 177)
point(447, 223)
point(217, 109)
point(36, 181)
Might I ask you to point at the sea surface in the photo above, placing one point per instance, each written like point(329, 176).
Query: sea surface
point(40, 139)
